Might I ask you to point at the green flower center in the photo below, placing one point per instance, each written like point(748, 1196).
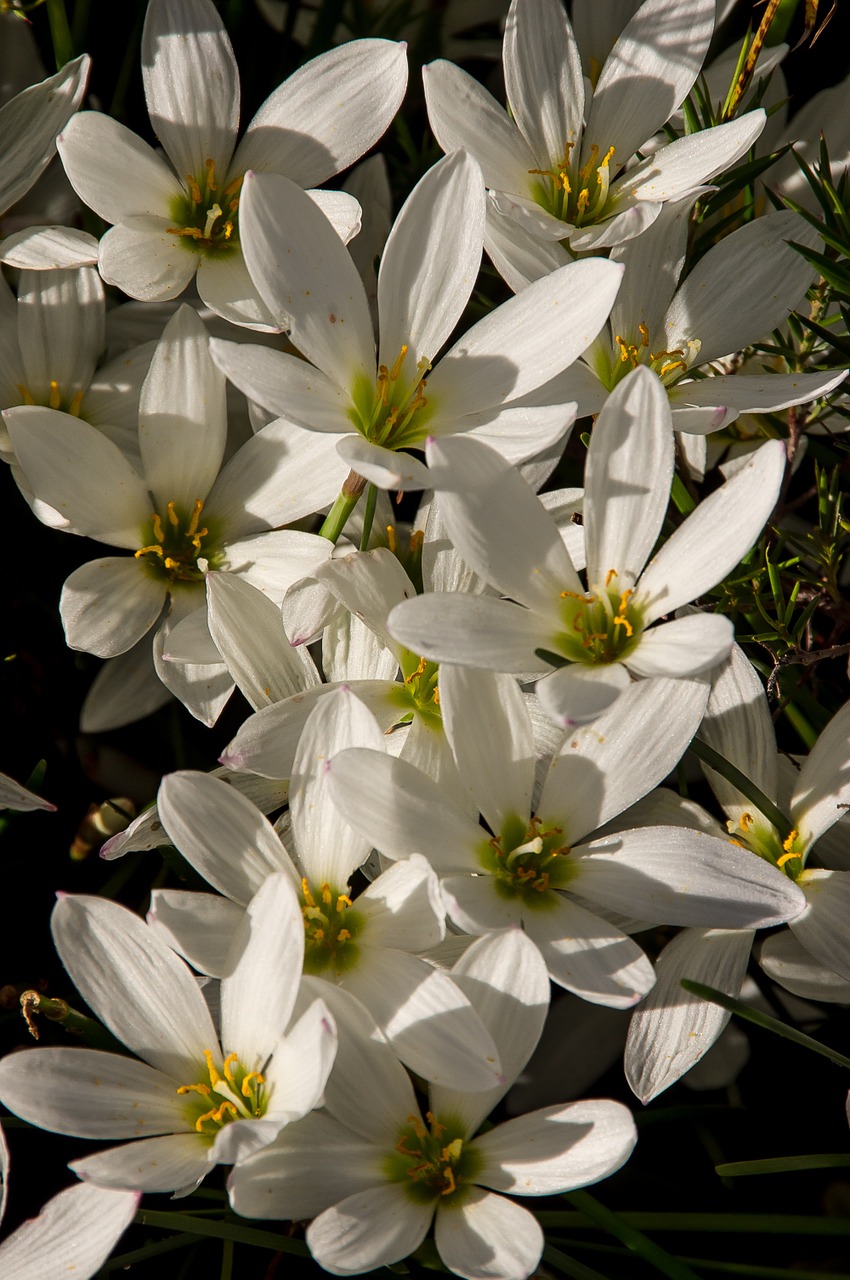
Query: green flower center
point(572, 193)
point(419, 695)
point(599, 626)
point(235, 1093)
point(433, 1161)
point(527, 861)
point(625, 355)
point(206, 219)
point(755, 833)
point(175, 543)
point(394, 413)
point(330, 928)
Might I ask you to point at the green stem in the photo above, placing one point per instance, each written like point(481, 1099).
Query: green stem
point(784, 1164)
point(714, 1223)
point(222, 1231)
point(628, 1235)
point(76, 1024)
point(682, 500)
point(569, 1266)
point(346, 500)
point(60, 32)
point(743, 784)
point(764, 1020)
point(125, 1260)
point(368, 516)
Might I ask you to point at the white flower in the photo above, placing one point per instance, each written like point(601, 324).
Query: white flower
point(557, 167)
point(540, 867)
point(604, 634)
point(177, 216)
point(378, 1174)
point(195, 1099)
point(427, 273)
point(29, 124)
point(73, 1235)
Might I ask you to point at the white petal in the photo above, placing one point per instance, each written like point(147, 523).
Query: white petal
point(328, 849)
point(73, 468)
point(527, 340)
point(182, 415)
point(326, 115)
point(464, 115)
point(325, 307)
point(108, 605)
point(284, 385)
point(823, 926)
point(428, 1021)
point(654, 261)
point(628, 477)
point(476, 631)
point(385, 468)
point(517, 254)
point(785, 959)
point(589, 956)
point(578, 693)
point(227, 289)
point(750, 393)
point(647, 75)
point(221, 833)
point(198, 926)
point(60, 330)
point(499, 526)
point(491, 737)
point(523, 432)
point(88, 1093)
point(683, 647)
point(258, 997)
point(675, 876)
point(302, 1061)
point(822, 790)
point(75, 1233)
point(543, 78)
point(676, 169)
point(203, 688)
point(715, 536)
point(430, 264)
point(557, 1149)
point(488, 1238)
point(140, 257)
point(114, 172)
point(739, 725)
point(369, 1230)
point(403, 907)
point(14, 796)
point(176, 1162)
point(29, 123)
point(672, 1029)
point(125, 689)
point(133, 982)
point(600, 770)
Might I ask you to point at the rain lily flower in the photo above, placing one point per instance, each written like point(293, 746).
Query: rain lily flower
point(74, 1234)
point(539, 866)
point(396, 1172)
point(180, 215)
point(558, 167)
point(427, 273)
point(369, 946)
point(14, 796)
point(601, 635)
point(191, 1098)
point(203, 518)
point(672, 1030)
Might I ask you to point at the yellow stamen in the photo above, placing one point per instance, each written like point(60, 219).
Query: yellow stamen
point(26, 394)
point(143, 551)
point(55, 398)
point(203, 1089)
point(610, 576)
point(210, 168)
point(790, 840)
point(396, 369)
point(173, 517)
point(76, 403)
point(305, 892)
point(342, 901)
point(194, 189)
point(583, 201)
point(786, 857)
point(214, 1076)
point(620, 621)
point(391, 543)
point(196, 515)
point(436, 1127)
point(327, 896)
point(344, 935)
point(673, 364)
point(644, 334)
point(227, 1069)
point(586, 169)
point(248, 1083)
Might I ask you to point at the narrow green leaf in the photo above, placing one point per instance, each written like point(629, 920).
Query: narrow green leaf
point(569, 1266)
point(628, 1235)
point(222, 1231)
point(748, 788)
point(785, 1224)
point(784, 1164)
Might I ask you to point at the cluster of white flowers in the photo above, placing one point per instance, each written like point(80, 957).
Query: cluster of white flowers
point(461, 730)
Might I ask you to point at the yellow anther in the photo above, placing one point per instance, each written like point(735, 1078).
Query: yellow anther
point(144, 551)
point(194, 189)
point(603, 163)
point(344, 935)
point(252, 1080)
point(414, 544)
point(587, 598)
point(173, 517)
point(583, 201)
point(418, 1127)
point(203, 1089)
point(542, 883)
point(210, 168)
point(213, 1073)
point(396, 369)
point(55, 398)
point(196, 515)
point(217, 1115)
point(589, 165)
point(436, 1127)
point(418, 672)
point(644, 334)
point(450, 1182)
point(171, 563)
point(234, 186)
point(318, 935)
point(625, 597)
point(158, 531)
point(391, 542)
point(305, 892)
point(620, 621)
point(342, 902)
point(789, 840)
point(625, 349)
point(76, 403)
point(610, 576)
point(673, 364)
point(26, 394)
point(228, 229)
point(403, 1149)
point(578, 623)
point(194, 233)
point(199, 537)
point(327, 896)
point(746, 821)
point(436, 695)
point(226, 1067)
point(786, 857)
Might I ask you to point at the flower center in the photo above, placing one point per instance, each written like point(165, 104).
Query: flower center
point(55, 398)
point(207, 219)
point(761, 837)
point(600, 626)
point(527, 861)
point(393, 412)
point(174, 544)
point(419, 695)
point(234, 1094)
point(573, 194)
point(625, 355)
point(432, 1161)
point(330, 927)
